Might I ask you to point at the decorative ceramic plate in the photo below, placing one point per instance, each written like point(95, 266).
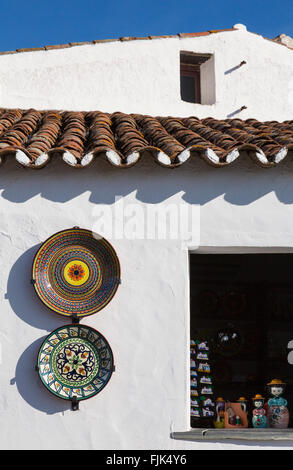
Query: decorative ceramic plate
point(75, 361)
point(228, 341)
point(208, 301)
point(234, 303)
point(76, 272)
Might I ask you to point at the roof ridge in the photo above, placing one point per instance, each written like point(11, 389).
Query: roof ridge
point(134, 38)
point(121, 39)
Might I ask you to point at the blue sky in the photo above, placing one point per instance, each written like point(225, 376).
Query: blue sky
point(38, 22)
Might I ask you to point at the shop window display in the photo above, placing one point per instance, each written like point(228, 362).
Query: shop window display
point(241, 325)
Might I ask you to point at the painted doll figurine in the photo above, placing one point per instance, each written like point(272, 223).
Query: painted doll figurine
point(259, 419)
point(220, 408)
point(278, 414)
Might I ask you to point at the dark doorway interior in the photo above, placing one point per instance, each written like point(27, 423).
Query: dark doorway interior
point(249, 300)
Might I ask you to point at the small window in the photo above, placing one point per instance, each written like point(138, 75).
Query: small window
point(190, 76)
point(190, 84)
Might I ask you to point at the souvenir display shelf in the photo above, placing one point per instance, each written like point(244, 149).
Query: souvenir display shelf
point(202, 405)
point(75, 362)
point(76, 273)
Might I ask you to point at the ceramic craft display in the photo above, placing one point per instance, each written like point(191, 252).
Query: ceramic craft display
point(76, 272)
point(75, 361)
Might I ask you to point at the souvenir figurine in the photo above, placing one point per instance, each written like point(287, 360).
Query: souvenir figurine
point(238, 421)
point(206, 380)
point(278, 414)
point(194, 402)
point(193, 383)
point(195, 412)
point(204, 367)
point(259, 419)
point(220, 409)
point(192, 364)
point(203, 346)
point(207, 401)
point(207, 413)
point(202, 355)
point(232, 418)
point(243, 403)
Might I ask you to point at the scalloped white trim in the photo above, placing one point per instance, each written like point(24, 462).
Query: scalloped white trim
point(281, 155)
point(132, 158)
point(42, 159)
point(212, 156)
point(232, 156)
point(163, 158)
point(184, 155)
point(113, 157)
point(87, 159)
point(22, 158)
point(69, 158)
point(262, 158)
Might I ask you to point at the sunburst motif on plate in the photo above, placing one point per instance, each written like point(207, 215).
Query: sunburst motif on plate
point(76, 272)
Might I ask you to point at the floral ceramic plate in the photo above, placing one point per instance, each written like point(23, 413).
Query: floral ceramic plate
point(76, 272)
point(75, 361)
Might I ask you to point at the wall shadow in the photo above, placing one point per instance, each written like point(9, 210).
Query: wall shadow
point(30, 386)
point(241, 183)
point(23, 298)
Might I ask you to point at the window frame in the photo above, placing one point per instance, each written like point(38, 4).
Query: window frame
point(274, 436)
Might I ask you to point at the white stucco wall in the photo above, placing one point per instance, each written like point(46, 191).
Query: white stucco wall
point(142, 76)
point(147, 322)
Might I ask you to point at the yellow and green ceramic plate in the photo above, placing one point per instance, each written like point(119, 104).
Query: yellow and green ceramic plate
point(76, 272)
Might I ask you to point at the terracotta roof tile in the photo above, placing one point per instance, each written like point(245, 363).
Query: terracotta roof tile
point(164, 36)
point(84, 43)
point(31, 49)
point(214, 31)
point(33, 137)
point(7, 52)
point(194, 35)
point(56, 46)
point(101, 41)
